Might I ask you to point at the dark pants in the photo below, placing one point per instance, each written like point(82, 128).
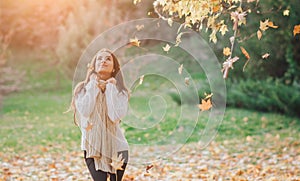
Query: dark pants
point(99, 175)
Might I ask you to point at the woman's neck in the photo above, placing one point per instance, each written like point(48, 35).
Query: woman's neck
point(104, 76)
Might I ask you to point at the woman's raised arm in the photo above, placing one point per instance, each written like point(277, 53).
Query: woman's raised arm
point(85, 100)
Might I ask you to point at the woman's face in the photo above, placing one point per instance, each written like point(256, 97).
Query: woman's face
point(104, 63)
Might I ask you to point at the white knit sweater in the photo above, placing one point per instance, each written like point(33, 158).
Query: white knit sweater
point(117, 104)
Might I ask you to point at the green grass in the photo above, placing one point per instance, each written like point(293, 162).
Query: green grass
point(34, 117)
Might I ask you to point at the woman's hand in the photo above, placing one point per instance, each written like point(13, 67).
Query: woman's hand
point(112, 80)
point(102, 85)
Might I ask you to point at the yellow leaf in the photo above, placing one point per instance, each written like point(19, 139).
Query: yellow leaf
point(205, 105)
point(286, 12)
point(135, 42)
point(223, 29)
point(141, 79)
point(265, 56)
point(180, 69)
point(296, 29)
point(136, 1)
point(259, 34)
point(89, 127)
point(271, 25)
point(117, 162)
point(245, 53)
point(213, 37)
point(226, 51)
point(166, 48)
point(208, 96)
point(264, 25)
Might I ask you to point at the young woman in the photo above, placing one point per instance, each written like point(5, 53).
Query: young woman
point(100, 101)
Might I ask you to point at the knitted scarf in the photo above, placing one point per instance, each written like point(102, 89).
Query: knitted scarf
point(101, 137)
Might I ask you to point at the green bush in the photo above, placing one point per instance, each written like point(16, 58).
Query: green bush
point(267, 95)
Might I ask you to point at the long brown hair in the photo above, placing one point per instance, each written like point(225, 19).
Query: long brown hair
point(117, 74)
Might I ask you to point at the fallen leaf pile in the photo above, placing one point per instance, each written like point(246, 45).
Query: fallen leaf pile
point(253, 158)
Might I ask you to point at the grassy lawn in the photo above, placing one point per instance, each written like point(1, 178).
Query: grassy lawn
point(34, 116)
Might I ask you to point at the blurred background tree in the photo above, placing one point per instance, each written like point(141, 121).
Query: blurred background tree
point(55, 34)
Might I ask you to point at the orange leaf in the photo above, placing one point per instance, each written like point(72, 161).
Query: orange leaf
point(216, 8)
point(89, 127)
point(296, 29)
point(226, 51)
point(205, 105)
point(259, 34)
point(271, 25)
point(245, 53)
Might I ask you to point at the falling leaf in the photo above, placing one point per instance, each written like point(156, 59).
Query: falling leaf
point(286, 12)
point(170, 21)
point(265, 56)
point(117, 162)
point(166, 48)
point(226, 51)
point(208, 96)
point(187, 81)
point(89, 127)
point(264, 25)
point(205, 105)
point(135, 42)
point(245, 53)
point(148, 167)
point(180, 69)
point(259, 34)
point(296, 29)
point(141, 79)
point(139, 27)
point(271, 25)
